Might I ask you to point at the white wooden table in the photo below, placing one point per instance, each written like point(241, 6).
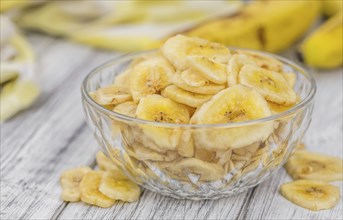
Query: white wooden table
point(52, 136)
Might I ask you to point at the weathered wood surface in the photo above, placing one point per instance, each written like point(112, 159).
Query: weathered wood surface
point(52, 136)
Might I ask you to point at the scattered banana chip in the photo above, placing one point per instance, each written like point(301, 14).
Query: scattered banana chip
point(119, 189)
point(311, 194)
point(316, 166)
point(107, 164)
point(70, 181)
point(89, 188)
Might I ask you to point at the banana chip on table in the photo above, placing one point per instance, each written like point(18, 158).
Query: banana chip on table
point(70, 181)
point(311, 194)
point(106, 164)
point(315, 166)
point(119, 189)
point(89, 188)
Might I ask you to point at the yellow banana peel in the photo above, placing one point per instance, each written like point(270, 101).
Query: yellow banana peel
point(264, 25)
point(6, 5)
point(331, 7)
point(324, 47)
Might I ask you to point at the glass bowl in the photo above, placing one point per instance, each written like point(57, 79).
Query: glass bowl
point(209, 172)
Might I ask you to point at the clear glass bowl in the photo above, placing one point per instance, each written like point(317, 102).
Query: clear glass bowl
point(133, 144)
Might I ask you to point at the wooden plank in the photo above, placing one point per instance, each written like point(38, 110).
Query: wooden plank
point(154, 206)
point(52, 137)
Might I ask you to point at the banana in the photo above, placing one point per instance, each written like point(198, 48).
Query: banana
point(235, 65)
point(311, 194)
point(263, 61)
point(70, 181)
point(332, 7)
point(208, 89)
point(112, 95)
point(150, 77)
point(211, 70)
point(308, 165)
point(106, 164)
point(260, 25)
point(119, 189)
point(204, 171)
point(324, 47)
point(271, 85)
point(126, 108)
point(193, 78)
point(177, 48)
point(234, 104)
point(159, 109)
point(184, 97)
point(19, 95)
point(140, 152)
point(89, 188)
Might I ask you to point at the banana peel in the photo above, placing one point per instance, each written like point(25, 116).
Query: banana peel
point(324, 47)
point(262, 25)
point(332, 7)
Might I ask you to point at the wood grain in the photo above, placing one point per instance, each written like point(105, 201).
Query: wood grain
point(52, 136)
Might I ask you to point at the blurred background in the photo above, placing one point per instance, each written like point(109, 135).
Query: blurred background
point(309, 29)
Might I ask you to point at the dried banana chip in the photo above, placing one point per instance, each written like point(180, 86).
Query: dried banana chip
point(203, 171)
point(316, 166)
point(70, 181)
point(311, 194)
point(89, 188)
point(119, 189)
point(140, 152)
point(112, 95)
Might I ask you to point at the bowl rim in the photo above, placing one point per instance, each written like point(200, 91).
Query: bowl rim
point(124, 57)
